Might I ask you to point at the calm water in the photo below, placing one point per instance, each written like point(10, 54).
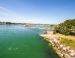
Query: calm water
point(19, 42)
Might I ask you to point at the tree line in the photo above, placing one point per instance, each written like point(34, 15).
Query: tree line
point(67, 27)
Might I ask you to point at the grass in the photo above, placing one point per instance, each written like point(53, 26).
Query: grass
point(68, 42)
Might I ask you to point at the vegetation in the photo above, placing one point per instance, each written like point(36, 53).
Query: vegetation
point(67, 27)
point(68, 42)
point(49, 26)
point(9, 23)
point(2, 23)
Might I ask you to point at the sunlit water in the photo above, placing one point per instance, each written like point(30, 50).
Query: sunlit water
point(20, 42)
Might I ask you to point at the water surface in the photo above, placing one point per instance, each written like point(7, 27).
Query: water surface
point(20, 42)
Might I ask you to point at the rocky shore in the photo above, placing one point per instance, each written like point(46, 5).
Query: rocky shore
point(62, 50)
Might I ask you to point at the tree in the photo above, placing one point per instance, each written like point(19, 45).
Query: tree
point(67, 27)
point(8, 22)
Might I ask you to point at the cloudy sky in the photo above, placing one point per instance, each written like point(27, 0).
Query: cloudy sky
point(37, 11)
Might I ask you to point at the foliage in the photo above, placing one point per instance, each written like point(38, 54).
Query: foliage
point(51, 27)
point(8, 22)
point(67, 27)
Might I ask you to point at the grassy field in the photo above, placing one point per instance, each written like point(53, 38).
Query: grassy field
point(67, 40)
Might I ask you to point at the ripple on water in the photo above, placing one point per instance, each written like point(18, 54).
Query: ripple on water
point(10, 48)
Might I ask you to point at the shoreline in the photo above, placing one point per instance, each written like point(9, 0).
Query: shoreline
point(48, 36)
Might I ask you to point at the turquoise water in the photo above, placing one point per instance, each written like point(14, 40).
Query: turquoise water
point(20, 42)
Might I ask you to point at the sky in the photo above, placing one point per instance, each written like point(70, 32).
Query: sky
point(37, 11)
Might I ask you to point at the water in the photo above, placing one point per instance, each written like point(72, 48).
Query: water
point(19, 42)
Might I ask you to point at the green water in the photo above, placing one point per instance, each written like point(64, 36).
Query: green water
point(19, 42)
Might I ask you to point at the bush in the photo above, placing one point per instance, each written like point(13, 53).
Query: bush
point(67, 27)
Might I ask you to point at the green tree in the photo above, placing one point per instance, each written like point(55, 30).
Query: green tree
point(67, 27)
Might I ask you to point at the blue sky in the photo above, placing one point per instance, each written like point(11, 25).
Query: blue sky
point(37, 11)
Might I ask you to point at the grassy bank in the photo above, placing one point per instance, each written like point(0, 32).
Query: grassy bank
point(63, 39)
point(68, 42)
